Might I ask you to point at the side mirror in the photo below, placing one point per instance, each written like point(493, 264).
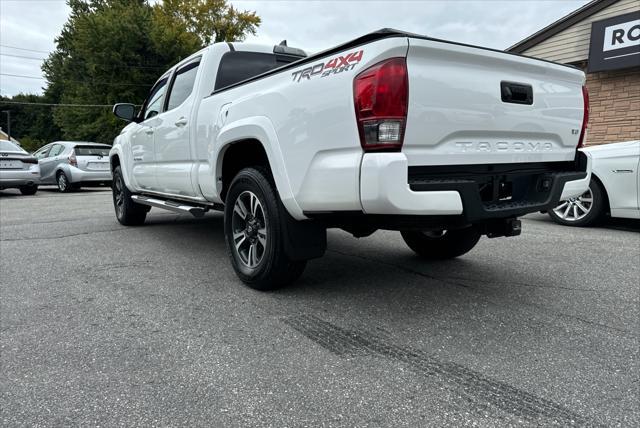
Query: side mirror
point(125, 111)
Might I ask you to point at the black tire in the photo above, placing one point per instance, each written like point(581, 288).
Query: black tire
point(64, 185)
point(596, 211)
point(274, 269)
point(29, 190)
point(440, 245)
point(128, 212)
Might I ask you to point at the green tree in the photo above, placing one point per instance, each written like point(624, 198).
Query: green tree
point(207, 20)
point(113, 50)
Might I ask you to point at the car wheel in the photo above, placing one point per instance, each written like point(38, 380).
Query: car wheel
point(585, 210)
point(128, 212)
point(29, 190)
point(63, 182)
point(442, 244)
point(254, 235)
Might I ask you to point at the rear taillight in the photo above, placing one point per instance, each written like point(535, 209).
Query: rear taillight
point(381, 94)
point(30, 160)
point(585, 116)
point(72, 159)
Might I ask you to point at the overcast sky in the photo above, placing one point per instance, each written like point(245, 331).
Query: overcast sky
point(311, 25)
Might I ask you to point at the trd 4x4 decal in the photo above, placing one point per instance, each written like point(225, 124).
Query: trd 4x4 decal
point(333, 66)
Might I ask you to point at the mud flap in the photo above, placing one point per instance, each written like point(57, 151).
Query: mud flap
point(303, 240)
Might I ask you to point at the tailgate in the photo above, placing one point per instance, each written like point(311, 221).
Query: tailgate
point(469, 105)
point(93, 163)
point(92, 158)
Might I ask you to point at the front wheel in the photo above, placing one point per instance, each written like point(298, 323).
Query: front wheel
point(442, 244)
point(585, 210)
point(128, 212)
point(254, 233)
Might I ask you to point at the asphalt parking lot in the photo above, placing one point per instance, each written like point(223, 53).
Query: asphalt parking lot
point(107, 325)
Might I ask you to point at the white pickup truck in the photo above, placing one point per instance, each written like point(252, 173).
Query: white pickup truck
point(442, 141)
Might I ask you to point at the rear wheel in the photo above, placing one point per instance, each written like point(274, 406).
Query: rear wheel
point(29, 190)
point(442, 244)
point(64, 185)
point(128, 212)
point(585, 210)
point(254, 234)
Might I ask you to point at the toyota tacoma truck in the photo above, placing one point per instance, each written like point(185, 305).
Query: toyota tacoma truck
point(441, 141)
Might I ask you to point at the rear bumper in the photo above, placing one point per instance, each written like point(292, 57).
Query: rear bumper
point(88, 177)
point(19, 177)
point(389, 186)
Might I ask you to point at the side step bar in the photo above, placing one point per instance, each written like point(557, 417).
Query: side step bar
point(179, 207)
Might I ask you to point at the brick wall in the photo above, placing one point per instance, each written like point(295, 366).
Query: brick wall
point(614, 113)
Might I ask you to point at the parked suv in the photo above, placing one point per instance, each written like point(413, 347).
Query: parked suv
point(72, 165)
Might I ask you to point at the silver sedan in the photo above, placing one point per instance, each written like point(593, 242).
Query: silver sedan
point(18, 169)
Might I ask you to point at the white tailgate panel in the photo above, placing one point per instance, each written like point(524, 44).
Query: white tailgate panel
point(456, 114)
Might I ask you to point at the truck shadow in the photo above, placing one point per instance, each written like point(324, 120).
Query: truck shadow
point(369, 266)
point(624, 224)
point(378, 262)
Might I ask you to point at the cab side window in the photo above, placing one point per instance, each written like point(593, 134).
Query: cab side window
point(182, 85)
point(154, 103)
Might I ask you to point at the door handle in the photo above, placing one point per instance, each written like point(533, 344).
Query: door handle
point(516, 93)
point(148, 131)
point(181, 122)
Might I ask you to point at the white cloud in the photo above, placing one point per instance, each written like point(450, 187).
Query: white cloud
point(27, 24)
point(311, 25)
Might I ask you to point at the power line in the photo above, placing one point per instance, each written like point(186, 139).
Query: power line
point(47, 52)
point(150, 67)
point(79, 81)
point(22, 56)
point(23, 49)
point(20, 75)
point(57, 104)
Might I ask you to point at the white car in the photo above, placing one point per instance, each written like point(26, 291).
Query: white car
point(441, 141)
point(614, 188)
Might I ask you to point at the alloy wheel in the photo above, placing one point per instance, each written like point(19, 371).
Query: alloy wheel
point(575, 209)
point(248, 225)
point(118, 195)
point(62, 182)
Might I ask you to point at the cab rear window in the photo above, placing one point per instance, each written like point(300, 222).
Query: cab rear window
point(91, 151)
point(236, 66)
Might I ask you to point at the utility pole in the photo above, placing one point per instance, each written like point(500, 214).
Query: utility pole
point(8, 113)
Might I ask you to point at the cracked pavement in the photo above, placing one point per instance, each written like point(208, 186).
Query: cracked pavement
point(106, 325)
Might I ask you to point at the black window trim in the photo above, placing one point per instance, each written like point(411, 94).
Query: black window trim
point(57, 154)
point(193, 62)
point(45, 149)
point(143, 109)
